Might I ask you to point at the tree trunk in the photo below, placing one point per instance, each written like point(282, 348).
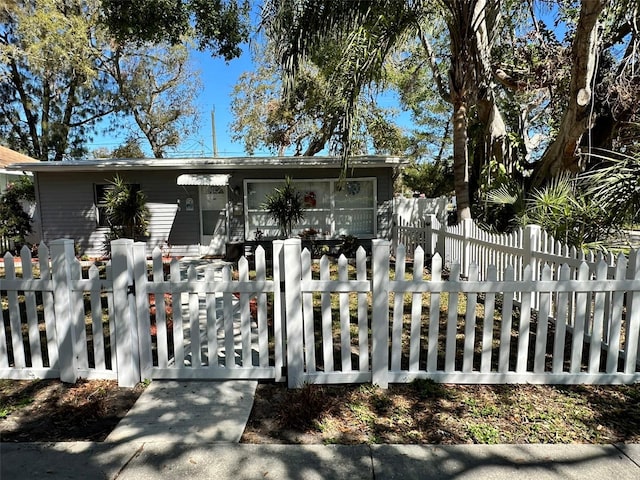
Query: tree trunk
point(495, 131)
point(461, 22)
point(35, 147)
point(563, 154)
point(461, 158)
point(486, 19)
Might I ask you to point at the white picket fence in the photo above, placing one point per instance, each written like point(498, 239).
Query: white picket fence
point(360, 320)
point(130, 322)
point(412, 234)
point(585, 330)
point(467, 243)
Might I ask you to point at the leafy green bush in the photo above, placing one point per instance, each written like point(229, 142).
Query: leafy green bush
point(433, 179)
point(15, 224)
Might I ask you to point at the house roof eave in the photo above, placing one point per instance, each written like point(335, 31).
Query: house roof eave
point(227, 163)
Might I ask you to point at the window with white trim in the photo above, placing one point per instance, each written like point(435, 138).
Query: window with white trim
point(328, 210)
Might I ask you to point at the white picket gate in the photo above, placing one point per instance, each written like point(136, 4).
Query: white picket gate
point(412, 234)
point(215, 333)
point(319, 321)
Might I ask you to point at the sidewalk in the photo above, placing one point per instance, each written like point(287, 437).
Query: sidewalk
point(190, 430)
point(172, 460)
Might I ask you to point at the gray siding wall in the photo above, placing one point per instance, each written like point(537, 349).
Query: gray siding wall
point(68, 210)
point(66, 201)
point(385, 202)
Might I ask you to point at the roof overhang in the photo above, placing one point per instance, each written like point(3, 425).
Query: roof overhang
point(15, 173)
point(220, 164)
point(210, 180)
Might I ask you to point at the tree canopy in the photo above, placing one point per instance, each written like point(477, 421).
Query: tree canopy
point(526, 100)
point(157, 89)
point(220, 26)
point(52, 92)
point(307, 121)
point(71, 67)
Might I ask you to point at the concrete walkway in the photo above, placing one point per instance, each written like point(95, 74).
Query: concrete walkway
point(188, 412)
point(190, 430)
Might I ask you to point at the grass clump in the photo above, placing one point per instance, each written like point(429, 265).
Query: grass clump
point(425, 412)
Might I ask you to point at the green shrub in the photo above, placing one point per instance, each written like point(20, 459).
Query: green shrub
point(15, 224)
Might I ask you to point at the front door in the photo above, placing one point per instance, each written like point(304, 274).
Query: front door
point(213, 219)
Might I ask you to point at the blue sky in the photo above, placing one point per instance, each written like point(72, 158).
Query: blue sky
point(218, 79)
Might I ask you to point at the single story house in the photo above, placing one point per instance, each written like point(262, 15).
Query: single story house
point(200, 205)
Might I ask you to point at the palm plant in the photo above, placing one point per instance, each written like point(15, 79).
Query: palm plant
point(126, 210)
point(615, 182)
point(367, 34)
point(349, 41)
point(501, 208)
point(286, 207)
point(560, 208)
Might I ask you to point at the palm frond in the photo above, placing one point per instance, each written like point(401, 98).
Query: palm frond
point(502, 195)
point(615, 183)
point(360, 34)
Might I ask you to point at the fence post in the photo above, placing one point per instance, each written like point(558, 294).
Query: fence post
point(62, 255)
point(437, 229)
point(530, 246)
point(127, 345)
point(633, 330)
point(441, 208)
point(141, 318)
point(293, 315)
point(380, 313)
point(279, 319)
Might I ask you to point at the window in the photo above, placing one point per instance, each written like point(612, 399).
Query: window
point(328, 209)
point(354, 211)
point(100, 202)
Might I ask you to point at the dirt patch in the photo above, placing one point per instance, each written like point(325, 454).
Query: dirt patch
point(52, 411)
point(427, 413)
point(422, 412)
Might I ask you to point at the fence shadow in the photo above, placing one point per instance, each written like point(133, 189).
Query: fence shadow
point(308, 462)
